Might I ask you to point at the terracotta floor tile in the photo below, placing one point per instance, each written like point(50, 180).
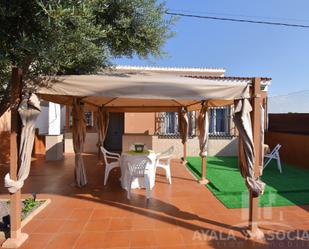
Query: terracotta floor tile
point(100, 225)
point(32, 225)
point(143, 223)
point(168, 237)
point(99, 214)
point(63, 241)
point(44, 213)
point(105, 213)
point(60, 213)
point(167, 221)
point(81, 214)
point(188, 237)
point(172, 247)
point(205, 246)
point(89, 240)
point(48, 226)
point(117, 239)
point(120, 224)
point(36, 241)
point(143, 238)
point(73, 226)
point(144, 247)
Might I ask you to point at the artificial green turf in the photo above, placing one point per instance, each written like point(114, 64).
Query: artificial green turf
point(291, 187)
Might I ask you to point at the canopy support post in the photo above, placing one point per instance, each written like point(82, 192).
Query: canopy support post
point(254, 232)
point(183, 130)
point(203, 123)
point(204, 180)
point(17, 238)
point(184, 152)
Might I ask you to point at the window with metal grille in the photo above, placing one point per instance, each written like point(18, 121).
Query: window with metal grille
point(167, 122)
point(88, 118)
point(219, 121)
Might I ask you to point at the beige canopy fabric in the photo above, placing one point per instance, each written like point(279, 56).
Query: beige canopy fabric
point(79, 135)
point(242, 121)
point(29, 110)
point(144, 89)
point(183, 124)
point(203, 127)
point(102, 125)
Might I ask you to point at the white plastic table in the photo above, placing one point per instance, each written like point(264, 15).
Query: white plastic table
point(129, 156)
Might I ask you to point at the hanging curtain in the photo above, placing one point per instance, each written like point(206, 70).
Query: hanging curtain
point(183, 124)
point(243, 123)
point(29, 110)
point(102, 126)
point(262, 139)
point(79, 135)
point(203, 126)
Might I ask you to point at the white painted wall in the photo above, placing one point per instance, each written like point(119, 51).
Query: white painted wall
point(42, 121)
point(51, 119)
point(54, 119)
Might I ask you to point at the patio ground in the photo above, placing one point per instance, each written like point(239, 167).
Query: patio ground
point(182, 215)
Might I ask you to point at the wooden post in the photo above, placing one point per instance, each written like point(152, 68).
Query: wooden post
point(203, 180)
point(16, 237)
point(254, 231)
point(67, 118)
point(185, 152)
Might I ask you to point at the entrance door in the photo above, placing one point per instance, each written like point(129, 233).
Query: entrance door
point(113, 141)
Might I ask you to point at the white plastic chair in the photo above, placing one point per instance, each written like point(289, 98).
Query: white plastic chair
point(109, 165)
point(137, 169)
point(274, 155)
point(164, 161)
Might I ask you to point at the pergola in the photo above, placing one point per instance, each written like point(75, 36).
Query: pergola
point(113, 91)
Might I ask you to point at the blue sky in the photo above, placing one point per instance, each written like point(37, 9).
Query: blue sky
point(242, 49)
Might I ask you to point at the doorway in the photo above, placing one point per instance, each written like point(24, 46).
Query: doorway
point(115, 130)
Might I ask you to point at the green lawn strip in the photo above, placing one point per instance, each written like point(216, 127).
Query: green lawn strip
point(289, 188)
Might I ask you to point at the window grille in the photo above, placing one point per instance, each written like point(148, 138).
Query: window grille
point(167, 123)
point(88, 118)
point(220, 122)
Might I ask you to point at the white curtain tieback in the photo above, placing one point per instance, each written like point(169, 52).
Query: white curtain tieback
point(12, 185)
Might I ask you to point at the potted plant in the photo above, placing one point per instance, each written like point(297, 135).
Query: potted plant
point(139, 147)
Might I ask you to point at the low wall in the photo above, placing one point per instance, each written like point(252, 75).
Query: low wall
point(219, 147)
point(295, 147)
point(296, 123)
point(89, 146)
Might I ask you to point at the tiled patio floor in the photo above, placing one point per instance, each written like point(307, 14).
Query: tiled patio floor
point(102, 217)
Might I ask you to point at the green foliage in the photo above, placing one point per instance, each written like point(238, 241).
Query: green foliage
point(48, 37)
point(29, 204)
